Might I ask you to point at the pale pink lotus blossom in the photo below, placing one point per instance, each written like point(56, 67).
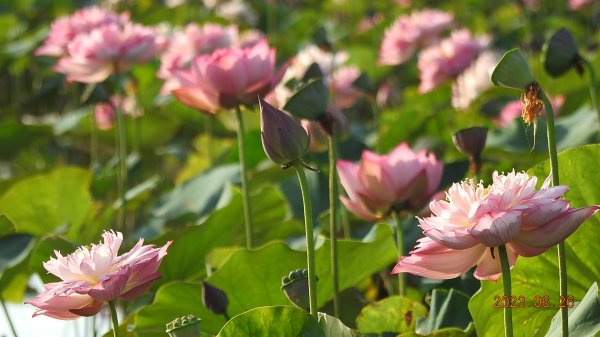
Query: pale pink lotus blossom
point(445, 60)
point(474, 80)
point(64, 29)
point(512, 110)
point(93, 57)
point(228, 77)
point(577, 5)
point(399, 180)
point(465, 229)
point(94, 275)
point(186, 44)
point(409, 32)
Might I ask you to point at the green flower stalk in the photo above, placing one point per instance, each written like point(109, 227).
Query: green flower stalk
point(508, 326)
point(244, 176)
point(285, 141)
point(114, 318)
point(513, 72)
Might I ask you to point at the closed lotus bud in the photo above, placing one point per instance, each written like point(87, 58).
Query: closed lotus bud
point(186, 326)
point(561, 53)
point(295, 288)
point(471, 142)
point(283, 137)
point(214, 299)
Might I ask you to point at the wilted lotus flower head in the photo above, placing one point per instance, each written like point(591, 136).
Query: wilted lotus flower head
point(283, 137)
point(295, 288)
point(531, 104)
point(94, 275)
point(471, 142)
point(465, 229)
point(186, 326)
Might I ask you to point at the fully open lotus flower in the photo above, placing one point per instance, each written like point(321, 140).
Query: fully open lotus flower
point(465, 229)
point(445, 60)
point(66, 28)
point(190, 42)
point(92, 57)
point(408, 32)
point(228, 77)
point(284, 139)
point(401, 180)
point(92, 276)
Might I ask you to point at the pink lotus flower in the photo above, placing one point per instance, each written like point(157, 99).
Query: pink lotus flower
point(464, 229)
point(92, 276)
point(105, 114)
point(341, 85)
point(192, 41)
point(474, 80)
point(228, 77)
point(407, 33)
point(576, 5)
point(513, 110)
point(443, 61)
point(66, 28)
point(92, 57)
point(380, 183)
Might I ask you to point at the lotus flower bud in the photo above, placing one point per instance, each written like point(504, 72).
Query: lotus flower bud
point(214, 299)
point(186, 326)
point(295, 287)
point(471, 142)
point(561, 54)
point(283, 137)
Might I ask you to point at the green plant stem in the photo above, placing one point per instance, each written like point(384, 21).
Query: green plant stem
point(114, 318)
point(508, 327)
point(121, 140)
point(93, 143)
point(400, 246)
point(310, 243)
point(208, 129)
point(333, 220)
point(8, 319)
point(593, 88)
point(244, 176)
point(562, 256)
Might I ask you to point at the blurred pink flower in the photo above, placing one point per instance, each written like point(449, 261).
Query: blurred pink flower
point(512, 110)
point(379, 183)
point(105, 115)
point(408, 32)
point(576, 5)
point(92, 57)
point(92, 276)
point(64, 29)
point(474, 80)
point(228, 77)
point(190, 42)
point(443, 61)
point(319, 137)
point(341, 84)
point(464, 230)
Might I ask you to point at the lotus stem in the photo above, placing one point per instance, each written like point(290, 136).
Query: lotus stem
point(8, 319)
point(333, 219)
point(508, 327)
point(400, 246)
point(114, 318)
point(244, 177)
point(593, 87)
point(562, 256)
point(310, 244)
point(121, 147)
